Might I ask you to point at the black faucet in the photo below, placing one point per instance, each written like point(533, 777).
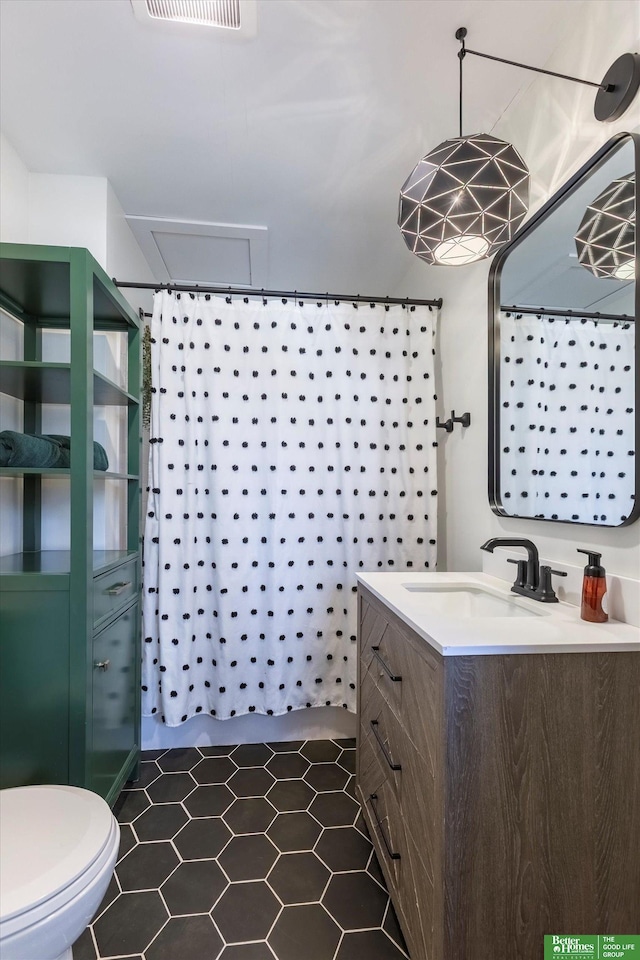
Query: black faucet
point(532, 576)
point(532, 580)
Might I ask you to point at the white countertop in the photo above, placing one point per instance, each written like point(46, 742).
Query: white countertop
point(556, 628)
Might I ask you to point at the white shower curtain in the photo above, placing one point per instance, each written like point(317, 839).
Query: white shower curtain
point(567, 421)
point(291, 446)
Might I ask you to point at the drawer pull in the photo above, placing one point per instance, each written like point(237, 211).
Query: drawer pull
point(102, 664)
point(385, 666)
point(385, 752)
point(117, 588)
point(392, 855)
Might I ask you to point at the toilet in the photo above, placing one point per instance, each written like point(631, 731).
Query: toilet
point(58, 849)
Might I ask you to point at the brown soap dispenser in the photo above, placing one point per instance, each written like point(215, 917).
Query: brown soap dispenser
point(594, 587)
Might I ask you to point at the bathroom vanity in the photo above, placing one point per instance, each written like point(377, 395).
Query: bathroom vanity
point(498, 765)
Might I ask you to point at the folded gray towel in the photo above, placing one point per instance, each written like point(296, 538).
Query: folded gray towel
point(43, 450)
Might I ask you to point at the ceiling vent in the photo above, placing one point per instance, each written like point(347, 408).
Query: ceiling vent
point(236, 16)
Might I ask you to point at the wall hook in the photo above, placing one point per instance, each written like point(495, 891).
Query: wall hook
point(448, 425)
point(464, 420)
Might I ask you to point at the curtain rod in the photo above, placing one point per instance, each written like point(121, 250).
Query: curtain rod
point(571, 314)
point(287, 294)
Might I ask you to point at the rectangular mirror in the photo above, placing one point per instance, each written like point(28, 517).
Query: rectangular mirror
point(563, 368)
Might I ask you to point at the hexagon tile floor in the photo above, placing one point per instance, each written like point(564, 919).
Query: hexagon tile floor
point(253, 852)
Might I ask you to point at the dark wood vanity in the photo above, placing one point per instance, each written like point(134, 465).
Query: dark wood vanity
point(502, 792)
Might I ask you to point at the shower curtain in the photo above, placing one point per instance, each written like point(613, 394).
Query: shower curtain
point(292, 445)
point(567, 393)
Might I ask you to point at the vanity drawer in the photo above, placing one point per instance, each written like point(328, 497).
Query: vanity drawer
point(379, 662)
point(382, 733)
point(385, 821)
point(114, 589)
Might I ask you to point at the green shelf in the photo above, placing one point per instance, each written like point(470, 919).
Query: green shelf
point(58, 562)
point(35, 284)
point(39, 382)
point(63, 611)
point(63, 472)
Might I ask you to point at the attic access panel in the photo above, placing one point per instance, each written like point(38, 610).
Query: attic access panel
point(184, 251)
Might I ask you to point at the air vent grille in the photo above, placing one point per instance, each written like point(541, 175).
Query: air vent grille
point(210, 13)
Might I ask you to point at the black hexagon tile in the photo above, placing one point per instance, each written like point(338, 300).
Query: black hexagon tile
point(355, 901)
point(248, 858)
point(202, 839)
point(149, 771)
point(171, 788)
point(334, 809)
point(320, 751)
point(189, 938)
point(195, 887)
point(368, 943)
point(294, 831)
point(252, 755)
point(130, 923)
point(160, 821)
point(249, 816)
point(175, 761)
point(245, 911)
point(288, 766)
point(286, 746)
point(324, 777)
point(147, 866)
point(209, 801)
point(247, 951)
point(306, 931)
point(130, 805)
point(343, 848)
point(251, 782)
point(213, 770)
point(214, 840)
point(299, 878)
point(223, 751)
point(289, 795)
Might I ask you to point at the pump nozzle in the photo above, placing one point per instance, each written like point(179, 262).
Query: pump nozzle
point(593, 569)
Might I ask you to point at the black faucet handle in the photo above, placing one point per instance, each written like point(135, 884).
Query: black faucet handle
point(521, 576)
point(545, 592)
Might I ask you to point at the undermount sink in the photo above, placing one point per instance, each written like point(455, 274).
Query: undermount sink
point(470, 600)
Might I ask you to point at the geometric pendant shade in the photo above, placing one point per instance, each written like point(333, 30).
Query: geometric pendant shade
point(463, 200)
point(605, 240)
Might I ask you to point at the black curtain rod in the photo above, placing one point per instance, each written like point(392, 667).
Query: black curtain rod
point(571, 314)
point(286, 294)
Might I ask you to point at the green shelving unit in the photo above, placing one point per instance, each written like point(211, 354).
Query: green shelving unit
point(70, 618)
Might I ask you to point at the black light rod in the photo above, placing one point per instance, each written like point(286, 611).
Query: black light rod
point(571, 314)
point(286, 294)
point(607, 87)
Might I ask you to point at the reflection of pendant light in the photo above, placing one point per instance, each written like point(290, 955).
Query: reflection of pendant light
point(468, 196)
point(465, 198)
point(605, 240)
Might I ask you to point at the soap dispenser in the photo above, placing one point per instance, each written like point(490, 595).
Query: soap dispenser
point(594, 587)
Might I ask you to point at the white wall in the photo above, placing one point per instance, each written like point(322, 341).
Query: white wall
point(70, 211)
point(14, 195)
point(552, 125)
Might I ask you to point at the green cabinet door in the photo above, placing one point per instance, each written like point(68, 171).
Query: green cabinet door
point(34, 671)
point(115, 724)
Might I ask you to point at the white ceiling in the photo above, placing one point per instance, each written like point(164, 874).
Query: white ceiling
point(309, 129)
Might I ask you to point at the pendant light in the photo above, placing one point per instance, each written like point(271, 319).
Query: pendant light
point(465, 198)
point(605, 240)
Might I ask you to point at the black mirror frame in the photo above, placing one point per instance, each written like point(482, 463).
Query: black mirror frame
point(610, 147)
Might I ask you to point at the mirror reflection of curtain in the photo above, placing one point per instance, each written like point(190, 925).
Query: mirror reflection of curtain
point(567, 418)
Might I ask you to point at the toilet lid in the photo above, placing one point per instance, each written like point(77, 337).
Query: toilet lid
point(49, 835)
